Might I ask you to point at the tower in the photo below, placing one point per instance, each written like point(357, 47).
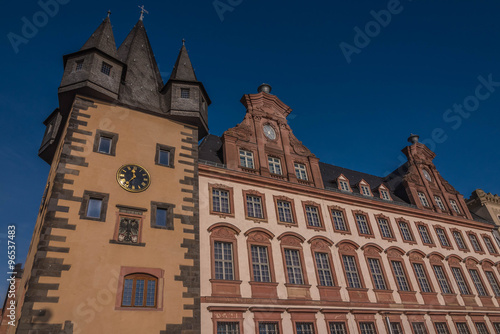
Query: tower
point(115, 244)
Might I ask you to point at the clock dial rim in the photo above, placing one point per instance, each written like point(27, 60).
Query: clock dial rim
point(118, 178)
point(269, 126)
point(427, 175)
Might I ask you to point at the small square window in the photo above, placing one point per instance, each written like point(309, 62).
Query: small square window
point(162, 215)
point(165, 155)
point(105, 145)
point(185, 93)
point(94, 208)
point(106, 68)
point(79, 65)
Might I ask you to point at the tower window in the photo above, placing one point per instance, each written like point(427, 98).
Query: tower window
point(162, 215)
point(94, 206)
point(274, 165)
point(106, 68)
point(344, 185)
point(105, 145)
point(185, 93)
point(246, 159)
point(300, 171)
point(439, 203)
point(423, 199)
point(454, 205)
point(365, 190)
point(79, 65)
point(139, 290)
point(105, 142)
point(165, 155)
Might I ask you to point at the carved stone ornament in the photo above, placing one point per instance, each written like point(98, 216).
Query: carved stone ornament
point(470, 263)
point(371, 251)
point(486, 265)
point(223, 232)
point(346, 247)
point(258, 237)
point(454, 261)
point(414, 256)
point(394, 254)
point(291, 241)
point(434, 259)
point(320, 244)
point(298, 147)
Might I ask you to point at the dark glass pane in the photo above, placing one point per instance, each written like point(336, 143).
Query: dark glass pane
point(94, 208)
point(161, 217)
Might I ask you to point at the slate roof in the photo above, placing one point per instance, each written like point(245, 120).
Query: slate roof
point(183, 69)
point(211, 150)
point(102, 39)
point(143, 80)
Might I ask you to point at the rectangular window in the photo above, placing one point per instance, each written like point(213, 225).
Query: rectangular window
point(462, 328)
point(418, 328)
point(441, 278)
point(105, 145)
point(422, 279)
point(304, 327)
point(475, 243)
point(481, 328)
point(489, 245)
point(324, 271)
point(185, 93)
point(439, 203)
point(474, 274)
point(312, 215)
point(79, 65)
point(164, 157)
point(293, 266)
point(423, 199)
point(362, 224)
point(254, 206)
point(338, 220)
point(223, 257)
point(493, 282)
point(162, 215)
point(441, 328)
point(396, 328)
point(400, 275)
point(454, 206)
point(385, 195)
point(228, 327)
point(260, 264)
point(285, 211)
point(459, 277)
point(351, 271)
point(139, 290)
point(405, 231)
point(367, 328)
point(497, 327)
point(385, 230)
point(366, 191)
point(337, 328)
point(106, 68)
point(246, 159)
point(424, 234)
point(459, 240)
point(344, 185)
point(274, 165)
point(300, 171)
point(94, 208)
point(443, 239)
point(220, 200)
point(268, 328)
point(377, 275)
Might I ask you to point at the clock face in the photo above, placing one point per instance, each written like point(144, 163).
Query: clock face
point(427, 175)
point(269, 132)
point(133, 178)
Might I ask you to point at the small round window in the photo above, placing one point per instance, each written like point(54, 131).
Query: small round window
point(427, 175)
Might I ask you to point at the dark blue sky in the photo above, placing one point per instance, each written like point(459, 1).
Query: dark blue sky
point(356, 115)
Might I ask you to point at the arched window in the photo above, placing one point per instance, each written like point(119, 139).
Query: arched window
point(139, 290)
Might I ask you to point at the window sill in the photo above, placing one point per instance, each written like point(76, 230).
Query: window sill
point(344, 232)
point(141, 309)
point(222, 214)
point(159, 227)
point(140, 244)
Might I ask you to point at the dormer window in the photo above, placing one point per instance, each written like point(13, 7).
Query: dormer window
point(274, 165)
point(185, 93)
point(454, 205)
point(384, 194)
point(343, 183)
point(106, 68)
point(300, 171)
point(423, 199)
point(79, 65)
point(365, 190)
point(439, 203)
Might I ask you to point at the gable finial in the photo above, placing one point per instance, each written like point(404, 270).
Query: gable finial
point(142, 12)
point(183, 41)
point(109, 13)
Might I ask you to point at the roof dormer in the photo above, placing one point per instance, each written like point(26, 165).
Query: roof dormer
point(343, 183)
point(364, 188)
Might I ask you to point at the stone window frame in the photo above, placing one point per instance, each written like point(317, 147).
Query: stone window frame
point(417, 257)
point(227, 314)
point(362, 184)
point(226, 233)
point(461, 322)
point(487, 266)
point(481, 251)
point(349, 248)
point(267, 314)
point(384, 188)
point(290, 240)
point(426, 226)
point(280, 160)
point(436, 259)
point(306, 169)
point(419, 321)
point(135, 277)
point(320, 215)
point(277, 198)
point(362, 316)
point(336, 316)
point(106, 134)
point(155, 272)
point(342, 177)
point(381, 216)
point(395, 254)
point(87, 195)
point(466, 250)
point(450, 247)
point(260, 237)
point(472, 264)
point(344, 214)
point(254, 161)
point(117, 228)
point(454, 262)
point(486, 236)
point(368, 223)
point(211, 187)
point(373, 251)
point(183, 90)
point(303, 315)
point(170, 215)
point(320, 244)
point(106, 68)
point(171, 155)
point(262, 196)
point(441, 321)
point(407, 222)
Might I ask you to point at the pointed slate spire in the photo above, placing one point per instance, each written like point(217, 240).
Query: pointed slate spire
point(143, 80)
point(183, 69)
point(103, 39)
